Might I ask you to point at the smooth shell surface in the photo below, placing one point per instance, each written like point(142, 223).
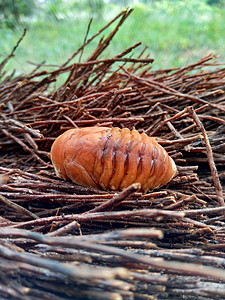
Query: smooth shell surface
point(111, 158)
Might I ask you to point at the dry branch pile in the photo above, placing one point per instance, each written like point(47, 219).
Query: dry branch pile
point(62, 241)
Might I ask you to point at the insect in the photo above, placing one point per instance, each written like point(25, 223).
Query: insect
point(111, 158)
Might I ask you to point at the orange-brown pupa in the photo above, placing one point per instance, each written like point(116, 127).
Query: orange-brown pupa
point(111, 158)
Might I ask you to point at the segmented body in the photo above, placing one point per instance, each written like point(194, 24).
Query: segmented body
point(111, 158)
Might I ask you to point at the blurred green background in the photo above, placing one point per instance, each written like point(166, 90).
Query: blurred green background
point(176, 32)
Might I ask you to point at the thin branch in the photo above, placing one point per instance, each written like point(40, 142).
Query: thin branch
point(214, 172)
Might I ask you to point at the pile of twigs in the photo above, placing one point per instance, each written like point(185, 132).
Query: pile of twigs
point(62, 241)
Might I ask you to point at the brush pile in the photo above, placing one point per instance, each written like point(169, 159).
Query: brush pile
point(59, 240)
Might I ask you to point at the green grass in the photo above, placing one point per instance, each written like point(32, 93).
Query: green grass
point(176, 32)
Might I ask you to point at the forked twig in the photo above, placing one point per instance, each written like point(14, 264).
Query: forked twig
point(3, 63)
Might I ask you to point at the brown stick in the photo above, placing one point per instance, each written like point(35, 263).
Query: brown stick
point(209, 152)
point(65, 229)
point(18, 207)
point(110, 204)
point(150, 213)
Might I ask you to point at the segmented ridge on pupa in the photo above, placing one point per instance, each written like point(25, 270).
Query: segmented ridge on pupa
point(135, 149)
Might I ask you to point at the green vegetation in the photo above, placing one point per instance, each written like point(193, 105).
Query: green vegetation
point(176, 32)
